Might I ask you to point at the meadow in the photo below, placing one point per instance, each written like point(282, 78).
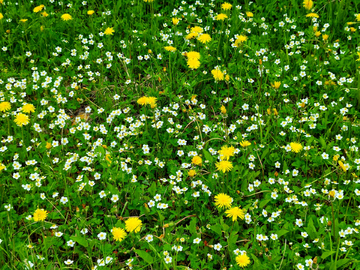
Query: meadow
point(159, 135)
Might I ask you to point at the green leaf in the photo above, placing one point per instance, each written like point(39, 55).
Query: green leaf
point(322, 142)
point(282, 232)
point(327, 254)
point(224, 226)
point(49, 241)
point(232, 240)
point(264, 154)
point(257, 263)
point(161, 217)
point(82, 241)
point(216, 228)
point(144, 255)
point(152, 188)
point(208, 156)
point(342, 262)
point(311, 228)
point(263, 203)
point(192, 226)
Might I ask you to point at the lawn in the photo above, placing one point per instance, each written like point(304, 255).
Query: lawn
point(153, 134)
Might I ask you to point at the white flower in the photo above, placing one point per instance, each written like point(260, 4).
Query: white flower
point(64, 200)
point(197, 240)
point(68, 262)
point(58, 234)
point(168, 259)
point(102, 236)
point(115, 198)
point(70, 243)
point(218, 246)
point(325, 156)
point(149, 238)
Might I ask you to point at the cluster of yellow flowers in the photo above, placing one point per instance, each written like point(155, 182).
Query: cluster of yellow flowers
point(224, 200)
point(147, 100)
point(224, 164)
point(193, 60)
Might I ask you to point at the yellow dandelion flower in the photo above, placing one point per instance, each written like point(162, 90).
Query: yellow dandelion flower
point(44, 14)
point(312, 15)
point(191, 173)
point(21, 119)
point(1, 16)
point(223, 200)
point(133, 224)
point(308, 4)
point(48, 145)
point(204, 38)
point(296, 147)
point(38, 8)
point(109, 31)
point(221, 17)
point(23, 20)
point(226, 152)
point(240, 40)
point(249, 14)
point(276, 85)
point(235, 212)
point(175, 21)
point(218, 75)
point(142, 100)
point(194, 55)
point(40, 215)
point(242, 260)
point(223, 109)
point(5, 106)
point(196, 160)
point(245, 143)
point(170, 48)
point(152, 101)
point(118, 233)
point(28, 108)
point(193, 63)
point(224, 166)
point(66, 17)
point(196, 29)
point(226, 6)
point(358, 17)
point(191, 35)
point(90, 12)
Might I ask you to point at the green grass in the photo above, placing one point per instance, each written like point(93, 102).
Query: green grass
point(119, 126)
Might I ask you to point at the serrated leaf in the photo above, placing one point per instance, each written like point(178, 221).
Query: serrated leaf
point(192, 225)
point(144, 255)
